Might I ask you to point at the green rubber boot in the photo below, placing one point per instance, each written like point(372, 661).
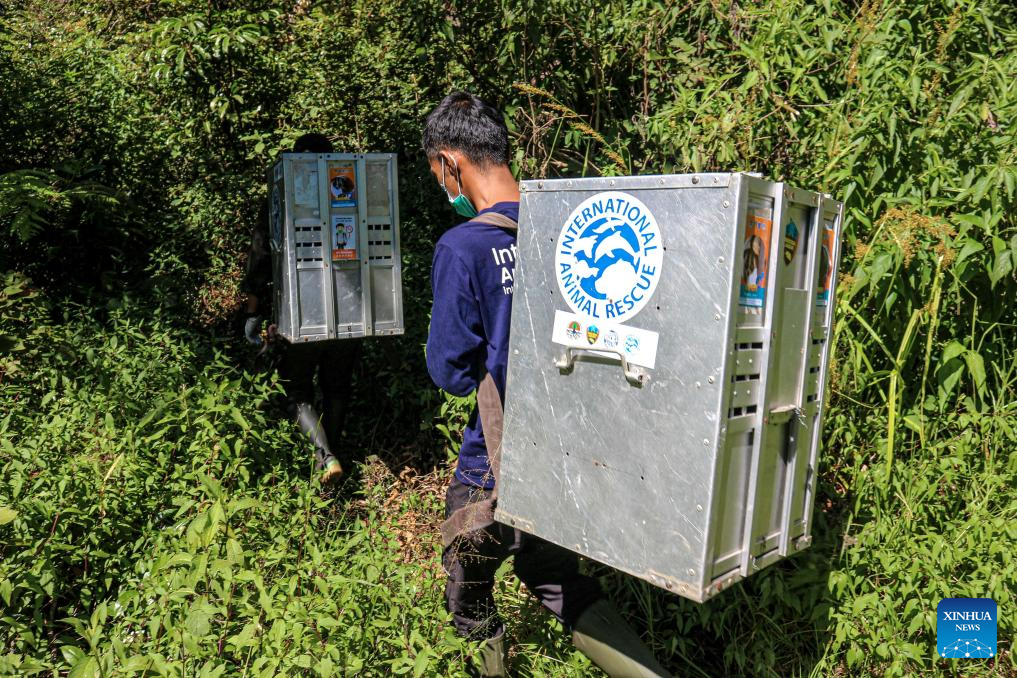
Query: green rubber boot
point(610, 643)
point(333, 471)
point(492, 657)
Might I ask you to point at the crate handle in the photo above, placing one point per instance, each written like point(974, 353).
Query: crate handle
point(567, 363)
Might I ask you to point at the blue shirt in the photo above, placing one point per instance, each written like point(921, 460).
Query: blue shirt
point(472, 281)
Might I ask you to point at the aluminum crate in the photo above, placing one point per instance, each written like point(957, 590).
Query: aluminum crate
point(668, 355)
point(334, 227)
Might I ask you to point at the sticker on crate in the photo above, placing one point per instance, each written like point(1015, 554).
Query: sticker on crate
point(344, 237)
point(305, 185)
point(276, 217)
point(825, 265)
point(790, 242)
point(576, 331)
point(608, 257)
point(342, 186)
point(755, 261)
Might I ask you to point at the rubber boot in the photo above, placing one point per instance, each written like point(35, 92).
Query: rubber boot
point(492, 657)
point(310, 425)
point(606, 638)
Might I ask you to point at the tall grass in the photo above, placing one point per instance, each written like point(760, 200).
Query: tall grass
point(158, 516)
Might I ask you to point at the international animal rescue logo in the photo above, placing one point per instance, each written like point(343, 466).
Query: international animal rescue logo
point(608, 257)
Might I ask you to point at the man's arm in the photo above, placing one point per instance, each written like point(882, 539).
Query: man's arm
point(457, 331)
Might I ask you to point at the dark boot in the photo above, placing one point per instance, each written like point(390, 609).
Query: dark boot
point(310, 424)
point(492, 657)
point(606, 638)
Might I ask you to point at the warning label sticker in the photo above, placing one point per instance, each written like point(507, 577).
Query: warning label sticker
point(342, 186)
point(344, 237)
point(825, 266)
point(755, 261)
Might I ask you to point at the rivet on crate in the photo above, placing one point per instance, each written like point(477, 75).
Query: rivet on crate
point(695, 179)
point(699, 507)
point(706, 442)
point(692, 573)
point(710, 379)
point(727, 204)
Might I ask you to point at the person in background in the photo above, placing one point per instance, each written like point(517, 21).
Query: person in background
point(333, 361)
point(466, 142)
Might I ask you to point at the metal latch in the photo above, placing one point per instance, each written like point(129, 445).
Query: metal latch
point(636, 376)
point(780, 415)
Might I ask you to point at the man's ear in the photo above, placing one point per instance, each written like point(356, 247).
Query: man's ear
point(454, 165)
point(451, 159)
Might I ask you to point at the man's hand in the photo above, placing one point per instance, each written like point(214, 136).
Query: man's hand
point(252, 331)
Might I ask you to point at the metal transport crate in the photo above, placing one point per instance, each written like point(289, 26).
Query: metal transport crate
point(668, 356)
point(334, 227)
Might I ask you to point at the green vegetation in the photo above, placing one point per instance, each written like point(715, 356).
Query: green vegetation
point(158, 515)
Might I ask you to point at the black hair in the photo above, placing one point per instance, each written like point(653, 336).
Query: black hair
point(312, 143)
point(465, 123)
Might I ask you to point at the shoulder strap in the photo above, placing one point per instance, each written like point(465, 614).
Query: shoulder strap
point(499, 220)
point(479, 513)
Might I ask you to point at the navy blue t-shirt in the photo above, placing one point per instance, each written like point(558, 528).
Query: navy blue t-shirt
point(472, 278)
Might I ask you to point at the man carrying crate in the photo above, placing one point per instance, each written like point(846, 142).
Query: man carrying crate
point(466, 142)
point(332, 361)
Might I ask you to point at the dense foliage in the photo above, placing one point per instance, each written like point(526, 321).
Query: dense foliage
point(158, 515)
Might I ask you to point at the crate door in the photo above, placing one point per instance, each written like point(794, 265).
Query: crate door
point(383, 262)
point(344, 196)
point(306, 268)
point(783, 444)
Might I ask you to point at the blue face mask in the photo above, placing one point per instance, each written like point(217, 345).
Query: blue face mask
point(461, 204)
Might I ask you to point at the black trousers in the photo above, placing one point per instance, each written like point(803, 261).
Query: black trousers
point(549, 571)
point(333, 363)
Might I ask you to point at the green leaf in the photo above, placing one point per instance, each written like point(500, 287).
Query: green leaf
point(420, 664)
point(239, 419)
point(7, 515)
point(976, 366)
point(72, 654)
